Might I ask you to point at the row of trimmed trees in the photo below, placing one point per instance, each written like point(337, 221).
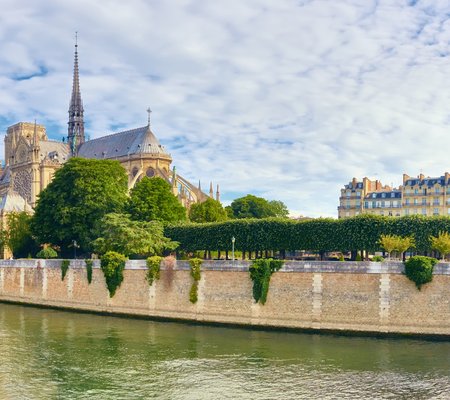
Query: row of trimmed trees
point(362, 234)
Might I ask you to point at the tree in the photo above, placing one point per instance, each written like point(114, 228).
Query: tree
point(209, 211)
point(392, 243)
point(251, 206)
point(152, 200)
point(80, 194)
point(441, 243)
point(18, 235)
point(117, 232)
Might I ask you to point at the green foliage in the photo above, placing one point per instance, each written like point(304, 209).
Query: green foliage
point(64, 268)
point(153, 269)
point(358, 257)
point(18, 235)
point(321, 234)
point(397, 243)
point(251, 206)
point(112, 265)
point(47, 253)
point(419, 269)
point(260, 272)
point(377, 259)
point(441, 243)
point(341, 257)
point(89, 264)
point(152, 200)
point(195, 264)
point(117, 232)
point(209, 211)
point(80, 194)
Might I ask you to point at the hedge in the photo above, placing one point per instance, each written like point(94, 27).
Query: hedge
point(322, 234)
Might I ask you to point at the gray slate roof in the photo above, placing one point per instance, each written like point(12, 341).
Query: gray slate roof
point(49, 147)
point(135, 141)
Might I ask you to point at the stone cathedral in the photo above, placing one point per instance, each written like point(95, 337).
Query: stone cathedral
point(31, 158)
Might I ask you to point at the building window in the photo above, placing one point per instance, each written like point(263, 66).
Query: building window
point(407, 211)
point(358, 194)
point(374, 204)
point(407, 202)
point(367, 204)
point(416, 202)
point(383, 195)
point(358, 203)
point(382, 204)
point(436, 202)
point(416, 191)
point(424, 201)
point(436, 211)
point(424, 211)
point(437, 190)
point(348, 194)
point(392, 194)
point(374, 195)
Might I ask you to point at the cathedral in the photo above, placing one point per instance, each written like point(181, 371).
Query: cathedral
point(31, 159)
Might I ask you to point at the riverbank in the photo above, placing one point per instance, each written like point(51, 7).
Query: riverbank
point(361, 298)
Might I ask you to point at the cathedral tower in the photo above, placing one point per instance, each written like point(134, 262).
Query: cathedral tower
point(76, 122)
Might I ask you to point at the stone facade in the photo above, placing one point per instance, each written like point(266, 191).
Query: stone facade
point(362, 297)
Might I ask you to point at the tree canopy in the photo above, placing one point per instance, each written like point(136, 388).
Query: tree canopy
point(80, 194)
point(152, 200)
point(117, 232)
point(209, 211)
point(18, 235)
point(251, 206)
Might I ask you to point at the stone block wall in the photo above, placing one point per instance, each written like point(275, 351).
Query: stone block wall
point(359, 297)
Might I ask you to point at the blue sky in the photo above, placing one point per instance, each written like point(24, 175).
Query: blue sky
point(284, 99)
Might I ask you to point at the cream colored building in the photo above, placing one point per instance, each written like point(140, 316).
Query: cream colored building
point(422, 195)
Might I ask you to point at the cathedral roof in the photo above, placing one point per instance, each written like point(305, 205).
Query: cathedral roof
point(135, 141)
point(13, 201)
point(54, 149)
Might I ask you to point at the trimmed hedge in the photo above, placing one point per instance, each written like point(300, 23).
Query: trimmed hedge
point(322, 234)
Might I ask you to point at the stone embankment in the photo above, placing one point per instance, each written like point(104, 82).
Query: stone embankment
point(330, 296)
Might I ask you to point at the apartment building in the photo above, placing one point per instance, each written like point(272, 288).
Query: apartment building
point(417, 196)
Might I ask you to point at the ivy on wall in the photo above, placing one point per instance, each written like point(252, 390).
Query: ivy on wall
point(112, 265)
point(89, 264)
point(195, 264)
point(64, 268)
point(260, 272)
point(153, 269)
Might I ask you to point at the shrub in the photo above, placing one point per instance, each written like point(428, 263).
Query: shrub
point(419, 269)
point(64, 268)
point(47, 253)
point(260, 272)
point(358, 257)
point(153, 269)
point(377, 259)
point(195, 264)
point(89, 264)
point(112, 265)
point(341, 257)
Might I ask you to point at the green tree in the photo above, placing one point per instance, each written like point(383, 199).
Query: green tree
point(209, 211)
point(441, 243)
point(397, 243)
point(80, 194)
point(152, 200)
point(18, 235)
point(117, 232)
point(251, 206)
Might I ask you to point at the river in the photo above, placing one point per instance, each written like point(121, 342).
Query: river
point(48, 354)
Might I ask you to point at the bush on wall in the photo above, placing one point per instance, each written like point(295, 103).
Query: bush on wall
point(419, 269)
point(89, 263)
point(112, 265)
point(64, 268)
point(153, 269)
point(195, 264)
point(260, 272)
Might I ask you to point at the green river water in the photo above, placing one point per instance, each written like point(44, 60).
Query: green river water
point(48, 354)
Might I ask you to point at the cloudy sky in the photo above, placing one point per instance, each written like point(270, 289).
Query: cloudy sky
point(283, 99)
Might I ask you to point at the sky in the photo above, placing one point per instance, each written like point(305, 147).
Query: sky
point(288, 100)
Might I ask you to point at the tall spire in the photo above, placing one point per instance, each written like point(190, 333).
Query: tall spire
point(211, 191)
point(76, 122)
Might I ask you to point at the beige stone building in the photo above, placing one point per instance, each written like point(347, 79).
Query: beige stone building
point(31, 159)
point(421, 195)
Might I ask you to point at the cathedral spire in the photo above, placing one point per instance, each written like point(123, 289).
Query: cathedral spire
point(76, 122)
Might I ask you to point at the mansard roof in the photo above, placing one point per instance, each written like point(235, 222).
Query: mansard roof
point(135, 141)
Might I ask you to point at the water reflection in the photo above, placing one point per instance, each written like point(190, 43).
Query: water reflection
point(51, 354)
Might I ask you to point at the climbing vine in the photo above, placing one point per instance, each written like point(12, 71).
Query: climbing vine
point(112, 265)
point(260, 272)
point(153, 269)
point(195, 264)
point(419, 269)
point(89, 264)
point(64, 268)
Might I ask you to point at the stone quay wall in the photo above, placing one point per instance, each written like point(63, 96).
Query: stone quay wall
point(331, 296)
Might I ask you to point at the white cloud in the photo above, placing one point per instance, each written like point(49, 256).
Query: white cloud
point(285, 99)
